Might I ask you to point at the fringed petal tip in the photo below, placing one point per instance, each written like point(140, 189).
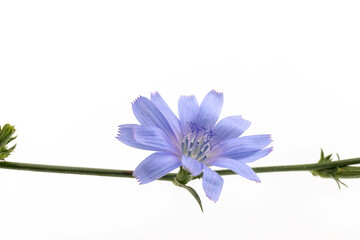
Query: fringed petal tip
point(256, 178)
point(154, 93)
point(246, 122)
point(264, 136)
point(119, 129)
point(118, 136)
point(213, 200)
point(268, 150)
point(191, 96)
point(270, 140)
point(137, 99)
point(217, 92)
point(137, 179)
point(122, 129)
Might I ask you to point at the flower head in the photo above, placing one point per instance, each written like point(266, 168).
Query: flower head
point(194, 141)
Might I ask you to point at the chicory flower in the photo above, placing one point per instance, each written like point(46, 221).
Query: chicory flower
point(194, 141)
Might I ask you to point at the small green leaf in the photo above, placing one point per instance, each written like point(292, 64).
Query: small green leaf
point(340, 182)
point(321, 155)
point(12, 138)
point(191, 190)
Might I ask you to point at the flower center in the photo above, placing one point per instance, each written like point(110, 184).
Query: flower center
point(197, 142)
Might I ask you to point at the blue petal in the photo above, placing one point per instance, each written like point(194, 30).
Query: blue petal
point(192, 165)
point(230, 127)
point(126, 136)
point(188, 110)
point(166, 111)
point(253, 156)
point(150, 116)
point(155, 166)
point(212, 183)
point(154, 137)
point(210, 109)
point(240, 168)
point(237, 147)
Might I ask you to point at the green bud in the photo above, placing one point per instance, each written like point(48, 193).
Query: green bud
point(183, 176)
point(337, 172)
point(6, 133)
point(347, 172)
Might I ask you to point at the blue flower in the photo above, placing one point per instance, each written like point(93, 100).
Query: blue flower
point(194, 141)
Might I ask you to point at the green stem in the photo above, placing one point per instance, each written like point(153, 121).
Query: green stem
point(170, 176)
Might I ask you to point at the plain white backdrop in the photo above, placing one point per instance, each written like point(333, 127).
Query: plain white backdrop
point(69, 71)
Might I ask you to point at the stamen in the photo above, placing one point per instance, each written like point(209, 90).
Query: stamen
point(203, 158)
point(200, 155)
point(197, 142)
point(205, 148)
point(186, 145)
point(196, 150)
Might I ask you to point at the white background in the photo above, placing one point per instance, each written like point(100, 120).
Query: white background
point(69, 71)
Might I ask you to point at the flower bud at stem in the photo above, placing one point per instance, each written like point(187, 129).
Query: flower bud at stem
point(348, 172)
point(5, 137)
point(336, 172)
point(183, 176)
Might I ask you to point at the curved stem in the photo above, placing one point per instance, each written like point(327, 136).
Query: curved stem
point(170, 176)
